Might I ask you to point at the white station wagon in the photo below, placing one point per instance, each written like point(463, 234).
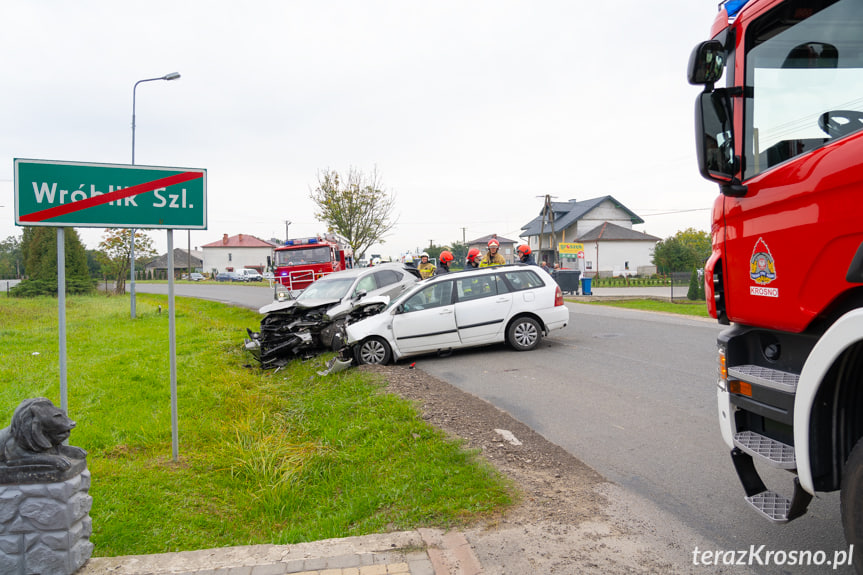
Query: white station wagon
point(517, 304)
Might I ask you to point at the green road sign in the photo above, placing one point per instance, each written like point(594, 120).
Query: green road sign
point(81, 195)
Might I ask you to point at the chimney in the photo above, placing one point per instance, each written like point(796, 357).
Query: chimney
point(241, 238)
point(224, 238)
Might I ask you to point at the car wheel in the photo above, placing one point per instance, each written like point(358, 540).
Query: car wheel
point(374, 350)
point(524, 333)
point(851, 501)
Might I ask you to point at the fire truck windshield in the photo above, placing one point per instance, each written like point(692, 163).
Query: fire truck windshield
point(804, 80)
point(306, 255)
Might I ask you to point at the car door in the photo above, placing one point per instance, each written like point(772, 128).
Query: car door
point(390, 283)
point(426, 320)
point(482, 308)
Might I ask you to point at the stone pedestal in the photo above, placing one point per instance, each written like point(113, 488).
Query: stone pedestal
point(45, 527)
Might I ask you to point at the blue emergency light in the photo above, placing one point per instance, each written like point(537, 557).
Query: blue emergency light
point(732, 7)
point(300, 242)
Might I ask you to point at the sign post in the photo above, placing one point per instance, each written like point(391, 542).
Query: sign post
point(74, 194)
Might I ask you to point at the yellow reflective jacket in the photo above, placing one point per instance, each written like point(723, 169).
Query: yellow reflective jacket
point(492, 260)
point(426, 269)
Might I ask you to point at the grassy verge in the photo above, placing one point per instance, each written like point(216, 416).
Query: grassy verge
point(696, 308)
point(264, 457)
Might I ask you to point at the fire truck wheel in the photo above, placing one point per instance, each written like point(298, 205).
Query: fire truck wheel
point(851, 502)
point(374, 350)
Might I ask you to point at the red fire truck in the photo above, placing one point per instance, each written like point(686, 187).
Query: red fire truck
point(301, 261)
point(779, 127)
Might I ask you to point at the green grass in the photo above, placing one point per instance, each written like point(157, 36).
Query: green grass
point(264, 457)
point(696, 308)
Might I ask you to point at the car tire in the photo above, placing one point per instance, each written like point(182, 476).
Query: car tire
point(524, 333)
point(851, 501)
point(374, 350)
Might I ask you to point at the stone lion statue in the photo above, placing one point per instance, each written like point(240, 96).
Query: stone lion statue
point(36, 435)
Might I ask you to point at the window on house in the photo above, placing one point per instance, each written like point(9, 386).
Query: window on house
point(229, 256)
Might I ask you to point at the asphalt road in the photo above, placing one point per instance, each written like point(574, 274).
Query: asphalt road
point(633, 395)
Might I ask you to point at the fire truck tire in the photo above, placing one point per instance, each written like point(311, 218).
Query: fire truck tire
point(851, 503)
point(374, 350)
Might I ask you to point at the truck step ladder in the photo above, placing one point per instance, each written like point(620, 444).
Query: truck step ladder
point(765, 376)
point(768, 503)
point(770, 451)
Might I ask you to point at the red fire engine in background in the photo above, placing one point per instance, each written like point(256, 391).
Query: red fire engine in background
point(301, 261)
point(779, 127)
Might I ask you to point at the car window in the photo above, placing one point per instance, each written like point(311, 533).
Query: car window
point(502, 286)
point(366, 284)
point(435, 295)
point(387, 277)
point(522, 280)
point(475, 287)
point(327, 289)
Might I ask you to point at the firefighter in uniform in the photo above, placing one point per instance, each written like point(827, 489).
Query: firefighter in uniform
point(444, 259)
point(426, 268)
point(472, 260)
point(492, 258)
point(524, 255)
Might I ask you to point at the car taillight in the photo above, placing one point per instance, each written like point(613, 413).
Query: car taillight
point(558, 296)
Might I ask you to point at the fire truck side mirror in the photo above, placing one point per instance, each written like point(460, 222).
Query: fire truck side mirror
point(706, 63)
point(714, 138)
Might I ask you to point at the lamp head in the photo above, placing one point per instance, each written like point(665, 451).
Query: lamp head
point(171, 76)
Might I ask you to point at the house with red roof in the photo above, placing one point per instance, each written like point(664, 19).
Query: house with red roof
point(233, 253)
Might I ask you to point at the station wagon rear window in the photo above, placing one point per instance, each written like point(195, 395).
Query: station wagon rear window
point(519, 280)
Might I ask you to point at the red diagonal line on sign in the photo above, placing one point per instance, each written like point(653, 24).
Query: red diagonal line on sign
point(64, 209)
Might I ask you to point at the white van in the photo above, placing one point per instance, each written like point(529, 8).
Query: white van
point(251, 275)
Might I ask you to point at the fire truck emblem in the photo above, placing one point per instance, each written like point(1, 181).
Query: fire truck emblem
point(762, 268)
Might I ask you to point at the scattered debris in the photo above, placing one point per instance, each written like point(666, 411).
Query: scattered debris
point(508, 436)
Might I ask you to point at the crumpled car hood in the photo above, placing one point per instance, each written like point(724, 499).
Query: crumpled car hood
point(287, 304)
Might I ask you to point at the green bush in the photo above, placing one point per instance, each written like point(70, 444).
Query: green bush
point(39, 287)
point(695, 292)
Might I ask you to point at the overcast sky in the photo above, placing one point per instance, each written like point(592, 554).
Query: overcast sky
point(469, 110)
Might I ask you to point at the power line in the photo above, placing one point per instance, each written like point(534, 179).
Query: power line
point(677, 212)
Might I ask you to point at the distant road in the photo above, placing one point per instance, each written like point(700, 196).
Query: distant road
point(252, 296)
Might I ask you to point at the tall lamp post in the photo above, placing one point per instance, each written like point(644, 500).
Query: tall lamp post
point(168, 77)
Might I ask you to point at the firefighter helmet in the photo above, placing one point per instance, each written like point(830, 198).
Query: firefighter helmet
point(524, 249)
point(472, 254)
point(493, 243)
point(445, 257)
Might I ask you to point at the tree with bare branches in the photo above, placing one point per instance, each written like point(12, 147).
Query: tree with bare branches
point(355, 206)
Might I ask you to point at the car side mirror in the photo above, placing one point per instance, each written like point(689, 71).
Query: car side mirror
point(359, 295)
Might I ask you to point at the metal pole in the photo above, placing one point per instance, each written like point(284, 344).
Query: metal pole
point(132, 269)
point(172, 336)
point(171, 76)
point(61, 305)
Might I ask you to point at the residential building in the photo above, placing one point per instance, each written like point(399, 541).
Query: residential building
point(183, 260)
point(237, 252)
point(604, 226)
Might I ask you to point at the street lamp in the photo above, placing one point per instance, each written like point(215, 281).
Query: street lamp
point(168, 77)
